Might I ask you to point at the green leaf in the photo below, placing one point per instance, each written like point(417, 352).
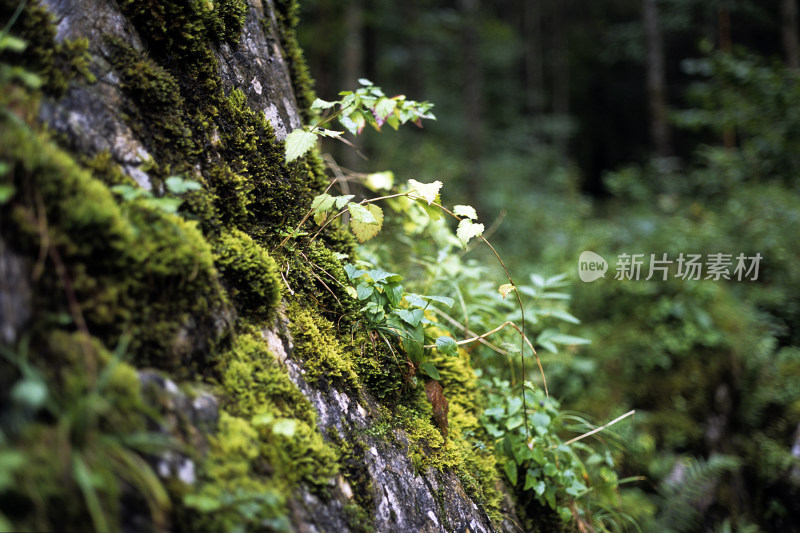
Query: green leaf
point(465, 211)
point(550, 469)
point(6, 192)
point(319, 103)
point(429, 369)
point(428, 191)
point(514, 422)
point(447, 346)
point(364, 291)
point(444, 300)
point(514, 405)
point(384, 108)
point(361, 213)
point(381, 276)
point(298, 143)
point(421, 300)
point(342, 200)
point(178, 185)
point(353, 271)
point(394, 291)
point(413, 317)
point(365, 82)
point(201, 502)
point(531, 479)
point(561, 315)
point(14, 44)
point(541, 419)
point(167, 205)
point(510, 468)
point(363, 229)
point(467, 230)
point(130, 192)
point(553, 336)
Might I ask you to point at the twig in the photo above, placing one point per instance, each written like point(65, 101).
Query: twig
point(601, 428)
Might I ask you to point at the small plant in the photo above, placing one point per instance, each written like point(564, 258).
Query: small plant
point(366, 105)
point(560, 475)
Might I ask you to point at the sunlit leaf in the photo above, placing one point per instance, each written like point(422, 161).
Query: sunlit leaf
point(322, 104)
point(467, 230)
point(465, 211)
point(428, 191)
point(362, 229)
point(298, 143)
point(504, 289)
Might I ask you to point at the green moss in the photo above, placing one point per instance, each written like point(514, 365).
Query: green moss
point(254, 382)
point(57, 64)
point(154, 108)
point(126, 269)
point(249, 273)
point(258, 388)
point(324, 359)
point(234, 491)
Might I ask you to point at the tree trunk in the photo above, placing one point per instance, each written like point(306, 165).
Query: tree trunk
point(560, 44)
point(790, 39)
point(656, 80)
point(472, 96)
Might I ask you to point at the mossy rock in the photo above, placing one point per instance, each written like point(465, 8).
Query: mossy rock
point(119, 268)
point(250, 275)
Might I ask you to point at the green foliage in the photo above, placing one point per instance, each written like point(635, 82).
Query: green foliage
point(389, 310)
point(366, 105)
point(94, 416)
point(745, 94)
point(573, 480)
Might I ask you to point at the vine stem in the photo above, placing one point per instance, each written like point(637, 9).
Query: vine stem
point(521, 328)
point(601, 428)
point(495, 330)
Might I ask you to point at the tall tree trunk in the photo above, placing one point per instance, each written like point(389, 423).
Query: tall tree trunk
point(656, 80)
point(532, 60)
point(725, 44)
point(560, 44)
point(791, 46)
point(472, 95)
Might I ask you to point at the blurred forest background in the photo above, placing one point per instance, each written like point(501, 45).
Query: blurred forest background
point(617, 126)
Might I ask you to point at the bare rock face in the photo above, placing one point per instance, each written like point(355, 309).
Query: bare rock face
point(378, 487)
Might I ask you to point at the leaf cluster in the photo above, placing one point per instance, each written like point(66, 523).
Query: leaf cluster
point(366, 105)
point(389, 310)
